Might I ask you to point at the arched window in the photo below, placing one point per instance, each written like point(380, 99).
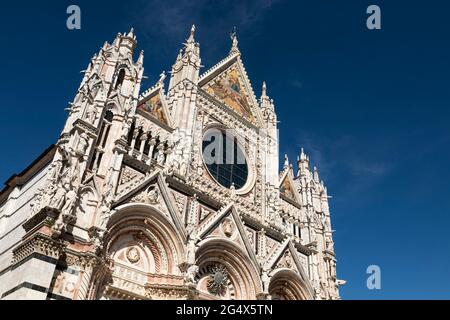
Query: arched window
point(101, 140)
point(120, 78)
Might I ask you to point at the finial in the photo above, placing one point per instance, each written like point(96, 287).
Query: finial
point(192, 35)
point(162, 78)
point(234, 41)
point(233, 191)
point(303, 155)
point(316, 175)
point(264, 89)
point(131, 33)
point(286, 161)
point(141, 57)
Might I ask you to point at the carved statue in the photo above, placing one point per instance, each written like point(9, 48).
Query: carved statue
point(329, 242)
point(59, 225)
point(126, 128)
point(153, 195)
point(265, 279)
point(58, 199)
point(228, 228)
point(191, 245)
point(91, 114)
point(104, 217)
point(161, 157)
point(70, 201)
point(183, 169)
point(55, 170)
point(287, 260)
point(191, 273)
point(36, 205)
point(83, 144)
point(162, 78)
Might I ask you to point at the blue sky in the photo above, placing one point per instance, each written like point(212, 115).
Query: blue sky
point(370, 107)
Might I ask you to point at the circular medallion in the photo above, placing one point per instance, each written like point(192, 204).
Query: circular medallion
point(133, 255)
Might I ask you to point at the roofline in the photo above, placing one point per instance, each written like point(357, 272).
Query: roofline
point(18, 180)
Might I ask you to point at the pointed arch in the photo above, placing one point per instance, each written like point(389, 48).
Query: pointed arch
point(286, 284)
point(149, 217)
point(145, 248)
point(120, 78)
point(240, 277)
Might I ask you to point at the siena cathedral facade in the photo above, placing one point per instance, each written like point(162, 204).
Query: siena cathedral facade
point(128, 205)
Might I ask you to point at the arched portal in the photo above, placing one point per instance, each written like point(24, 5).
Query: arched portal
point(225, 272)
point(287, 285)
point(145, 249)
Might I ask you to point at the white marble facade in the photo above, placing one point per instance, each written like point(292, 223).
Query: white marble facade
point(123, 206)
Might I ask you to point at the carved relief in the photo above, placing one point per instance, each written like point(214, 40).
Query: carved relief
point(133, 255)
point(217, 280)
point(228, 228)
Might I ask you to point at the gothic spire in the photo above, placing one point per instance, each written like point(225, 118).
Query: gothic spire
point(191, 38)
point(131, 34)
point(191, 45)
point(303, 163)
point(188, 62)
point(316, 175)
point(140, 60)
point(286, 161)
point(303, 156)
point(264, 91)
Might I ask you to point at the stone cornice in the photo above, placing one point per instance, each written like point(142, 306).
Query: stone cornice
point(46, 216)
point(170, 292)
point(37, 243)
point(85, 127)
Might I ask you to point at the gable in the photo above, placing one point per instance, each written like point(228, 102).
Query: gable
point(155, 107)
point(287, 257)
point(153, 191)
point(152, 195)
point(287, 187)
point(127, 176)
point(226, 224)
point(231, 86)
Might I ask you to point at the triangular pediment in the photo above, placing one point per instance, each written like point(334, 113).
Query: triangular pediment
point(287, 186)
point(227, 224)
point(154, 105)
point(228, 83)
point(152, 190)
point(287, 257)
